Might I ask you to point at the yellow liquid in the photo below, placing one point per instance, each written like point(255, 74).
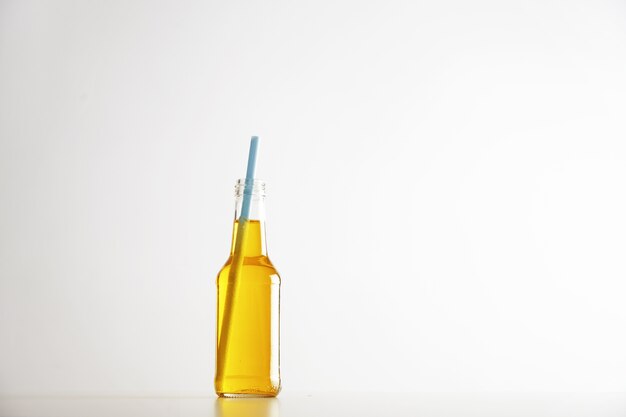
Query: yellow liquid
point(247, 360)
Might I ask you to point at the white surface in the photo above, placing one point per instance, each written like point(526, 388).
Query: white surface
point(328, 405)
point(445, 191)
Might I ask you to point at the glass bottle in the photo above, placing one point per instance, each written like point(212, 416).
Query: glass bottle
point(248, 308)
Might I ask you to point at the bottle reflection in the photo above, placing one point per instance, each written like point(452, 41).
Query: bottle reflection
point(246, 407)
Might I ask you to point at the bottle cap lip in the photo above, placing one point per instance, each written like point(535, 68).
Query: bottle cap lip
point(255, 187)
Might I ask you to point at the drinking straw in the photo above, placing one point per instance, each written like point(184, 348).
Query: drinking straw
point(247, 191)
point(237, 261)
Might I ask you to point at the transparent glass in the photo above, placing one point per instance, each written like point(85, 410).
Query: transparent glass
point(248, 309)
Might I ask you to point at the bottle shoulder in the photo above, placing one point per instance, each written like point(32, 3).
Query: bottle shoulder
point(252, 268)
point(260, 261)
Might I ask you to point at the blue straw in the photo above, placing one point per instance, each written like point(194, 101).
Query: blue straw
point(247, 190)
point(238, 255)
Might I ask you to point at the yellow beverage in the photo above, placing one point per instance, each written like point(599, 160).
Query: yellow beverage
point(247, 360)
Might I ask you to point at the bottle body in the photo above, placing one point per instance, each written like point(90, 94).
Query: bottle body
point(248, 317)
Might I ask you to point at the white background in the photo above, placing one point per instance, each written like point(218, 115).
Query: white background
point(446, 191)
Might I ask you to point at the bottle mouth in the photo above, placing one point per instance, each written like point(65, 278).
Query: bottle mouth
point(255, 187)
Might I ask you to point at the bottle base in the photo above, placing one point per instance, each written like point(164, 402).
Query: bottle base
point(246, 395)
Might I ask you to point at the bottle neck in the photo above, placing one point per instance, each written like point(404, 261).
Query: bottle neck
point(253, 234)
